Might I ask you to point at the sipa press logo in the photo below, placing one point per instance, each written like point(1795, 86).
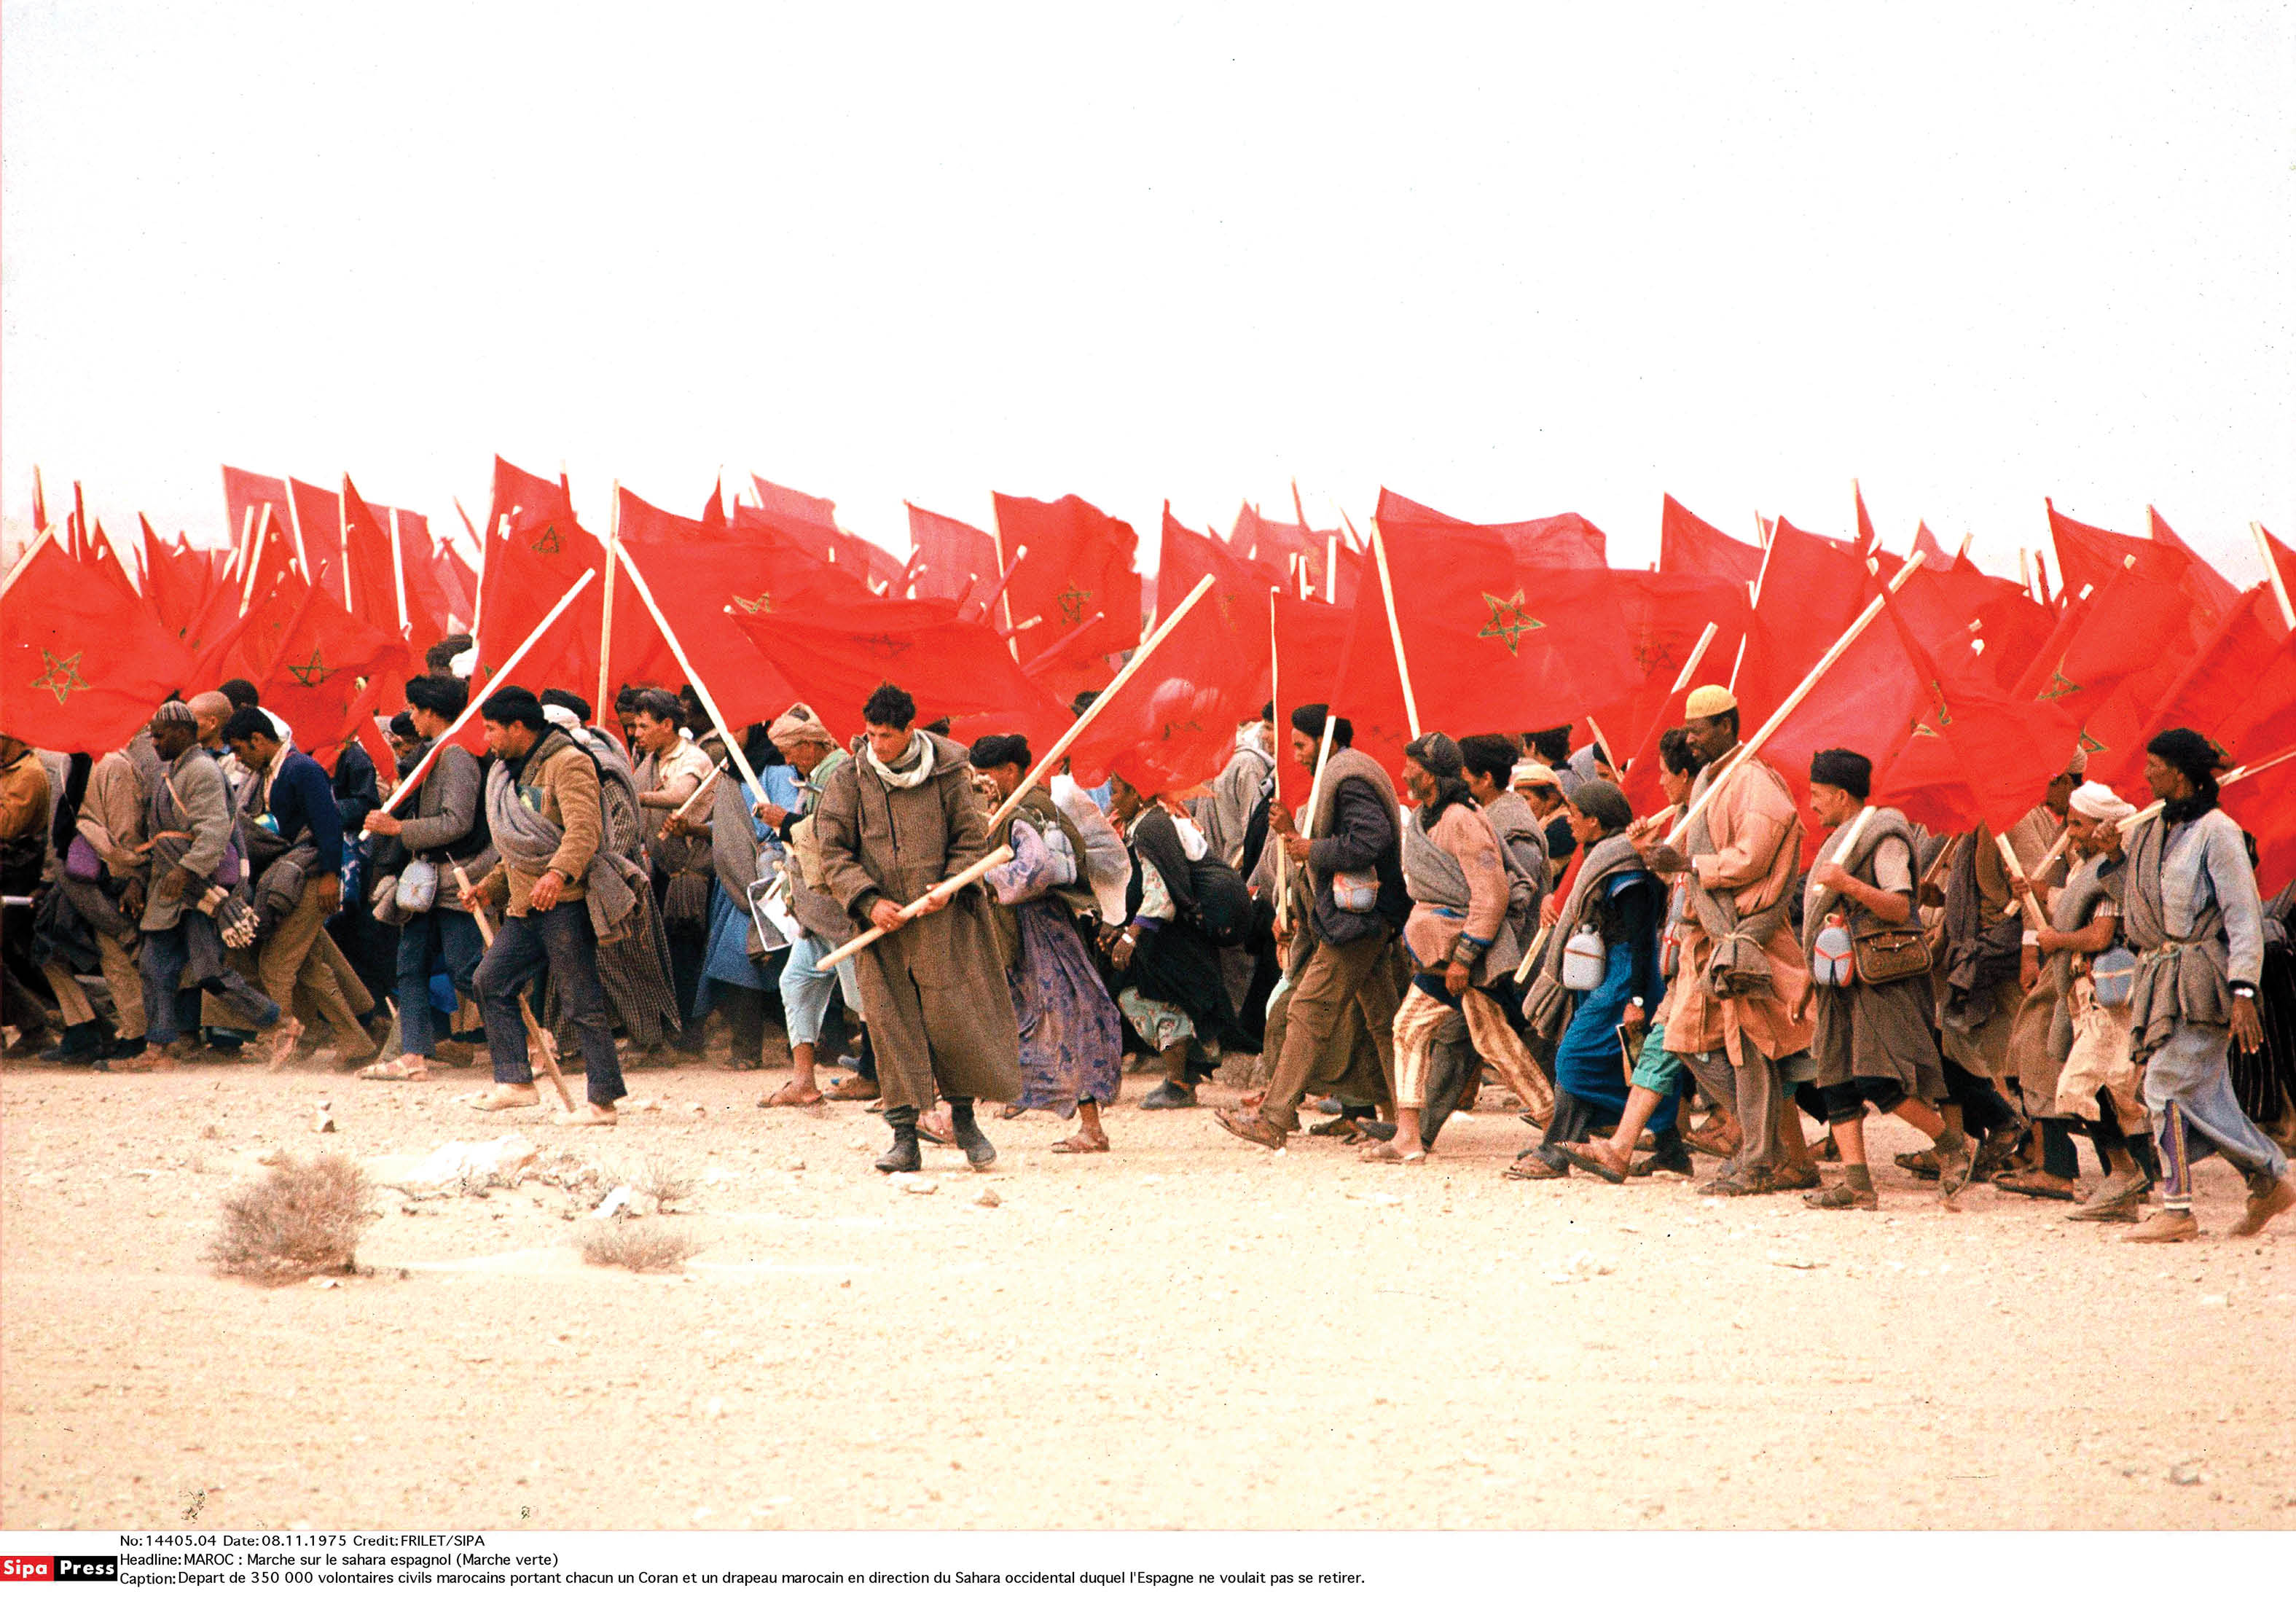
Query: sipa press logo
point(55, 1570)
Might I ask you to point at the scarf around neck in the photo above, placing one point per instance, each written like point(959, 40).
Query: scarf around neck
point(913, 769)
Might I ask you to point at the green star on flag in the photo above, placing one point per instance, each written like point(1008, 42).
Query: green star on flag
point(548, 542)
point(61, 677)
point(1509, 621)
point(1072, 603)
point(762, 604)
point(314, 673)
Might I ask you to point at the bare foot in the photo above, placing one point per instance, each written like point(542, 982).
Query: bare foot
point(934, 1128)
point(1082, 1144)
point(790, 1093)
point(588, 1116)
point(1387, 1155)
point(507, 1097)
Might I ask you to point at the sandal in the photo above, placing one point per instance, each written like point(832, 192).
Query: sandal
point(935, 1128)
point(1339, 1126)
point(1586, 1156)
point(1718, 1139)
point(404, 1069)
point(779, 1099)
point(1529, 1168)
point(851, 1087)
point(1841, 1197)
point(1387, 1155)
point(1077, 1143)
point(2036, 1186)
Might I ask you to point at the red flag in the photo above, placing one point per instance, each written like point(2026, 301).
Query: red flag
point(1976, 753)
point(82, 663)
point(2218, 595)
point(1173, 724)
point(1560, 541)
point(955, 667)
point(371, 554)
point(244, 493)
point(1866, 540)
point(2115, 654)
point(704, 585)
point(811, 523)
point(1079, 565)
point(331, 671)
point(1688, 545)
point(2238, 690)
point(785, 503)
point(1273, 543)
point(1812, 587)
point(953, 557)
point(535, 551)
point(175, 583)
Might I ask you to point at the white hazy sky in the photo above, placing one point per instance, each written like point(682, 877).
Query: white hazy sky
point(1507, 259)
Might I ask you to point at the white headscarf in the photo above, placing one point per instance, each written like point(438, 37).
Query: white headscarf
point(2094, 800)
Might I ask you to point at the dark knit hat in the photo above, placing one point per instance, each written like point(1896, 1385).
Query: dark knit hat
point(1853, 773)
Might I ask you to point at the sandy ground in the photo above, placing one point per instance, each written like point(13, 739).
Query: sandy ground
point(1186, 1333)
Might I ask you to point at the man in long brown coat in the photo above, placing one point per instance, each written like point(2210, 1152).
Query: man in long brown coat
point(900, 819)
point(1743, 856)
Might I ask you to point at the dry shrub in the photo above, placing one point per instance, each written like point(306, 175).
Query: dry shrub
point(663, 1179)
point(302, 1219)
point(642, 1245)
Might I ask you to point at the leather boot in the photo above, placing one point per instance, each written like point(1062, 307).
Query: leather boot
point(903, 1156)
point(2164, 1228)
point(969, 1136)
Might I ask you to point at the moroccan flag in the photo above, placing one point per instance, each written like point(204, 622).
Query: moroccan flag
point(1688, 545)
point(331, 671)
point(1273, 543)
point(82, 662)
point(953, 557)
point(2090, 555)
point(1866, 540)
point(703, 585)
point(1961, 614)
point(2216, 595)
point(2239, 691)
point(960, 668)
point(371, 552)
point(1560, 541)
point(2115, 655)
point(1172, 726)
point(811, 522)
point(1812, 587)
point(1976, 753)
point(1079, 565)
point(1311, 650)
point(535, 551)
point(244, 493)
point(177, 580)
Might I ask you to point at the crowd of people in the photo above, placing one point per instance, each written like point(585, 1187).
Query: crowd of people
point(1644, 991)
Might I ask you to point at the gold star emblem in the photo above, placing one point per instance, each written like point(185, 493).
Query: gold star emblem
point(892, 647)
point(1072, 604)
point(548, 542)
point(2058, 686)
point(60, 675)
point(314, 673)
point(1509, 621)
point(762, 604)
point(2088, 743)
point(1651, 654)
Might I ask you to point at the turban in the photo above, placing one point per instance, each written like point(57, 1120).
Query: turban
point(2094, 800)
point(1530, 773)
point(1853, 773)
point(1601, 802)
point(799, 724)
point(1309, 720)
point(1437, 754)
point(175, 711)
point(1705, 702)
point(556, 697)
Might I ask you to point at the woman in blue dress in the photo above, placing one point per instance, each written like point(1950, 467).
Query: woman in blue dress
point(1615, 910)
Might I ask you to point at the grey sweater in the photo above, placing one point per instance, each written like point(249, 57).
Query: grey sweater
point(446, 805)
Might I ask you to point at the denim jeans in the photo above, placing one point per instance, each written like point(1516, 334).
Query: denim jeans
point(562, 939)
point(805, 990)
point(436, 934)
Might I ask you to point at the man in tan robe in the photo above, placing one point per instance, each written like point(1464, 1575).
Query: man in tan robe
point(898, 820)
point(1741, 853)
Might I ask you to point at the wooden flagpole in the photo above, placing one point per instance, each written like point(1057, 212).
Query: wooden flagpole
point(677, 650)
point(606, 609)
point(343, 524)
point(1051, 655)
point(398, 574)
point(2272, 573)
point(2238, 772)
point(254, 554)
point(542, 1046)
point(25, 562)
point(413, 778)
point(1395, 630)
point(910, 911)
point(1051, 761)
point(1769, 728)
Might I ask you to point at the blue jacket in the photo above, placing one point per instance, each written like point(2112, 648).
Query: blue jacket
point(301, 795)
